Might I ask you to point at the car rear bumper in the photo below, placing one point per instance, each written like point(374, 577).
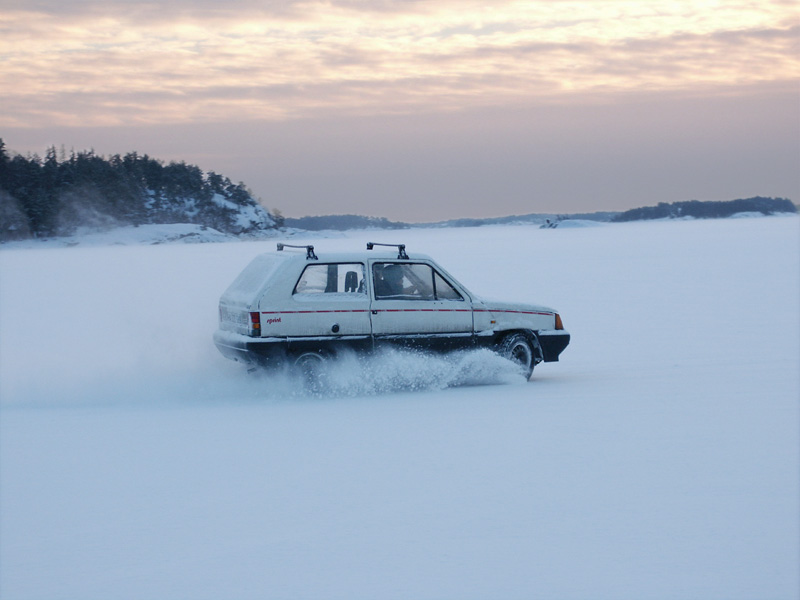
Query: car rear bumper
point(247, 349)
point(274, 350)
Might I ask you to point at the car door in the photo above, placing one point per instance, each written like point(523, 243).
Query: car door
point(328, 300)
point(414, 304)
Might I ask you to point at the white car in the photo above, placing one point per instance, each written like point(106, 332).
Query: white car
point(303, 308)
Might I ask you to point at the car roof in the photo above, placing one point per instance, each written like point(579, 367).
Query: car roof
point(271, 273)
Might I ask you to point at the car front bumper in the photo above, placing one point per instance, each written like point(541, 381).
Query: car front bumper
point(553, 343)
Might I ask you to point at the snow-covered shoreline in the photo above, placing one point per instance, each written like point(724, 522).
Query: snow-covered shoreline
point(187, 233)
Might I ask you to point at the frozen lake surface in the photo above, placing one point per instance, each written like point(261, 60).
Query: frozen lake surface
point(658, 459)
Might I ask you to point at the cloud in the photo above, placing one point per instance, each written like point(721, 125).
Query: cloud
point(88, 62)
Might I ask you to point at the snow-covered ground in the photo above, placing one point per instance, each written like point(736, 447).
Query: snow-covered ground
point(658, 459)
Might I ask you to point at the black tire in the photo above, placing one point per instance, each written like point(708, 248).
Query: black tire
point(518, 349)
point(312, 368)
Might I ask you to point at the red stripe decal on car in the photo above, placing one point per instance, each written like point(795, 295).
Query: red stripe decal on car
point(477, 310)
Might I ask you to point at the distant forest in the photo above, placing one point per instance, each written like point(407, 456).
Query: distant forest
point(62, 193)
point(57, 195)
point(708, 210)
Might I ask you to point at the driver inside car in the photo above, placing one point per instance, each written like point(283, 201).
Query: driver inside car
point(390, 282)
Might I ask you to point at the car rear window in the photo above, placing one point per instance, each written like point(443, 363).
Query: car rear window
point(247, 285)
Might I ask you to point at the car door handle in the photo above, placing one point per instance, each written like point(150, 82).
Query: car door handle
point(374, 312)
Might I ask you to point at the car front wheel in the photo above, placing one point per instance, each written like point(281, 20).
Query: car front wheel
point(517, 348)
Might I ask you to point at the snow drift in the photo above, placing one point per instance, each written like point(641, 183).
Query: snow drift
point(658, 459)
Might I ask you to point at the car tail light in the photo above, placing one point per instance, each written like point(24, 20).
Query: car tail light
point(255, 324)
point(559, 324)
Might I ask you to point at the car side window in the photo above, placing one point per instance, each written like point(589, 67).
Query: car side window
point(411, 281)
point(333, 278)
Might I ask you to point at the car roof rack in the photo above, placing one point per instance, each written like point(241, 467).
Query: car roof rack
point(309, 250)
point(401, 248)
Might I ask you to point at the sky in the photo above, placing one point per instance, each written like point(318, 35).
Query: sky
point(421, 110)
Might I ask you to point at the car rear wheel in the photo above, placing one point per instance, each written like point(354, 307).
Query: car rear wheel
point(312, 368)
point(518, 349)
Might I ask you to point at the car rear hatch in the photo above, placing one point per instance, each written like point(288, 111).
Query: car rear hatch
point(238, 306)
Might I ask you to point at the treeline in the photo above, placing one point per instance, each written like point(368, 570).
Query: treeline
point(346, 222)
point(57, 195)
point(708, 209)
point(343, 223)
